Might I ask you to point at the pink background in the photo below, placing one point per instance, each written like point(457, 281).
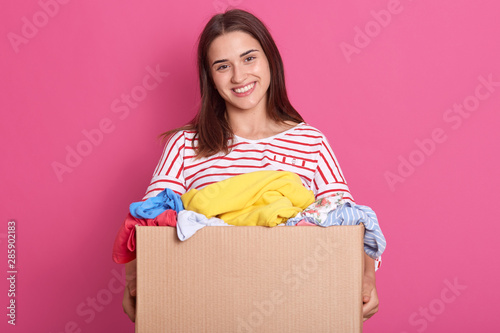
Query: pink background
point(375, 104)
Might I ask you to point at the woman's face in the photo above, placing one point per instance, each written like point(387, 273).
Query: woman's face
point(240, 71)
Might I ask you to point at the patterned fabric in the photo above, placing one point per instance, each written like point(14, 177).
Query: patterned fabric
point(320, 208)
point(345, 214)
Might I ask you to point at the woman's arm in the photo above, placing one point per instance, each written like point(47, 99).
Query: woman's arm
point(330, 180)
point(369, 292)
point(129, 295)
point(168, 173)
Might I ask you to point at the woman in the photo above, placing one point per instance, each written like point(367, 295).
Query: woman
point(245, 123)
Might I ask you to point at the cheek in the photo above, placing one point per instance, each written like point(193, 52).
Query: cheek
point(217, 83)
point(220, 87)
point(265, 71)
point(265, 74)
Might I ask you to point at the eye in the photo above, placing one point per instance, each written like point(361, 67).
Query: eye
point(250, 58)
point(221, 67)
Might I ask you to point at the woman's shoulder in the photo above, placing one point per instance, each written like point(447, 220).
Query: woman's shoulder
point(180, 136)
point(307, 130)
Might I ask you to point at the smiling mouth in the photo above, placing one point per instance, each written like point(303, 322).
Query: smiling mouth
point(244, 89)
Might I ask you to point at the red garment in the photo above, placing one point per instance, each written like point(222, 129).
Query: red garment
point(304, 222)
point(124, 247)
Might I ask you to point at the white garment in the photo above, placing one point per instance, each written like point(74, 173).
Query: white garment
point(189, 222)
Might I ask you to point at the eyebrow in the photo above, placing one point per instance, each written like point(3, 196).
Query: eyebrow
point(241, 55)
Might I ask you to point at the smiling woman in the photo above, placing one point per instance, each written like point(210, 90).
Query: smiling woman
point(235, 50)
point(246, 123)
point(242, 75)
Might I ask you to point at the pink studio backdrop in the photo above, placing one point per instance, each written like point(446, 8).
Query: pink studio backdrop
point(408, 93)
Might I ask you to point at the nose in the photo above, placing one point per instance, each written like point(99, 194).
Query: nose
point(239, 74)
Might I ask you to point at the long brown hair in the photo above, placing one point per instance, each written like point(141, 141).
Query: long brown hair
point(210, 123)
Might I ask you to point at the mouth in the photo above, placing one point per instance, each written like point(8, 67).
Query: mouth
point(244, 91)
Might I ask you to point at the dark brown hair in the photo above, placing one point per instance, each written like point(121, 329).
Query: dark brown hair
point(210, 123)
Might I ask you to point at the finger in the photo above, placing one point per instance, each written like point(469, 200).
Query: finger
point(129, 310)
point(371, 307)
point(367, 307)
point(133, 287)
point(366, 292)
point(369, 312)
point(129, 304)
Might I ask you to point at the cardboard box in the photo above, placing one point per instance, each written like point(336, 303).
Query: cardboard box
point(250, 279)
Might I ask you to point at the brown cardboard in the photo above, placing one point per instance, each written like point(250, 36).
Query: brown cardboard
point(250, 279)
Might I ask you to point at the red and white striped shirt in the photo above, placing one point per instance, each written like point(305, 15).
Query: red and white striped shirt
point(302, 149)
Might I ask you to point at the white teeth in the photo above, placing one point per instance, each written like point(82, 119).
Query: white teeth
point(244, 89)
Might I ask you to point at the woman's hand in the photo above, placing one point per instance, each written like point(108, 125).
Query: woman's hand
point(130, 292)
point(369, 292)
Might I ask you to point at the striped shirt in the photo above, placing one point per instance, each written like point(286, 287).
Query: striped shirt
point(302, 149)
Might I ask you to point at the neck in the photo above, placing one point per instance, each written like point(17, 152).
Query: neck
point(256, 125)
point(248, 122)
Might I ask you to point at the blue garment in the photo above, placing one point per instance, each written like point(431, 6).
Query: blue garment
point(154, 206)
point(351, 214)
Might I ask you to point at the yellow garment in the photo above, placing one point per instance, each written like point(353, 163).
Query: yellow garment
point(265, 198)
